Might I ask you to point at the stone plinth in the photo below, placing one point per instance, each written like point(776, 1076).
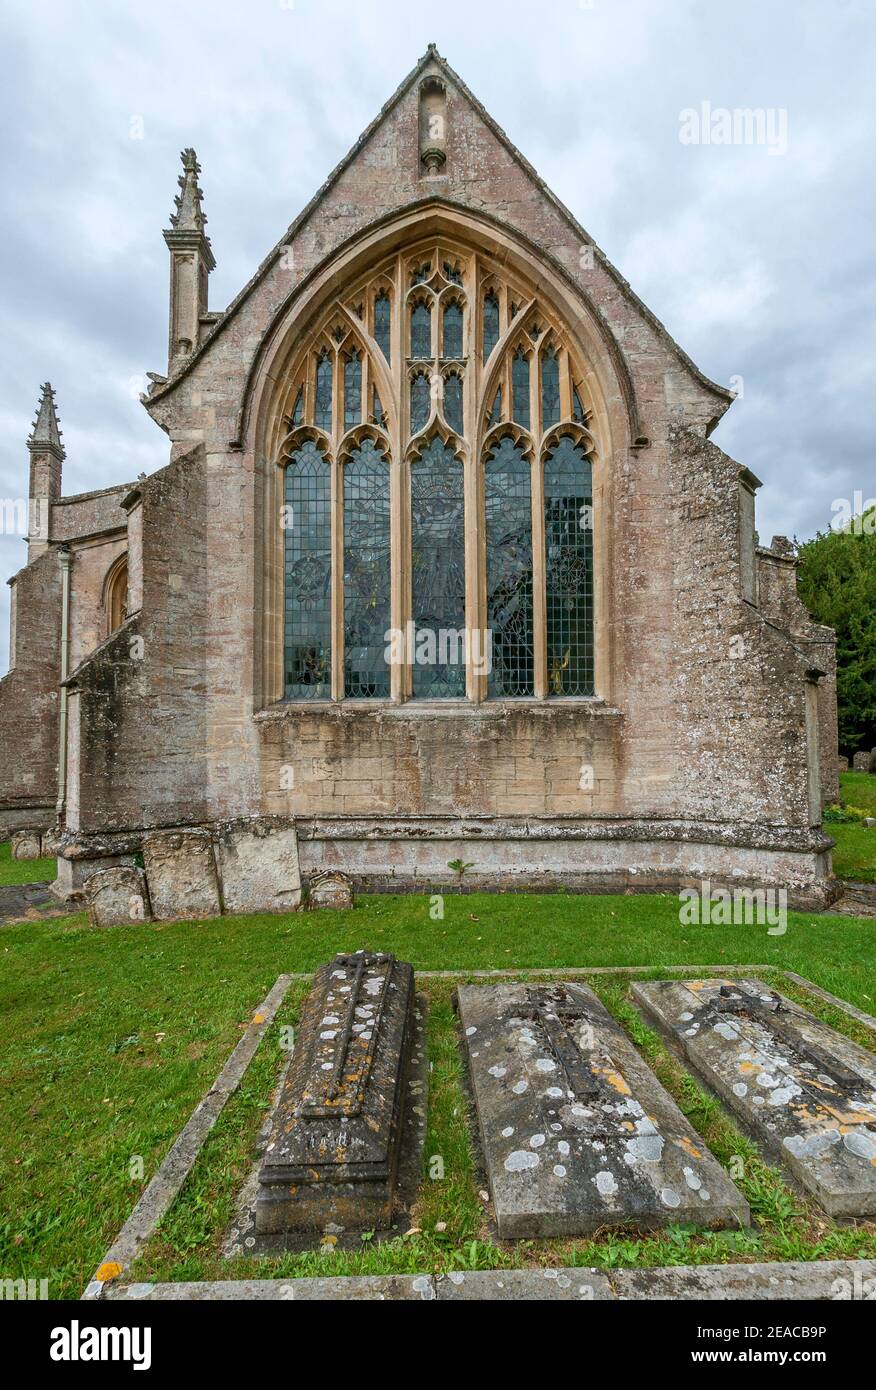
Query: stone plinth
point(807, 1093)
point(116, 897)
point(577, 1132)
point(181, 871)
point(332, 1159)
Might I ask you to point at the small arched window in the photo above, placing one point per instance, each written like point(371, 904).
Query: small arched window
point(452, 345)
point(116, 597)
point(421, 330)
point(383, 323)
point(491, 323)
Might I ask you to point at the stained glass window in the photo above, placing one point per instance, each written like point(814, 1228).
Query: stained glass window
point(323, 411)
point(496, 412)
point(568, 507)
point(452, 273)
point(453, 402)
point(421, 331)
point(379, 417)
point(308, 572)
point(298, 409)
point(352, 390)
point(520, 387)
point(421, 401)
point(382, 323)
point(508, 500)
point(366, 573)
point(550, 389)
point(438, 573)
point(491, 323)
point(452, 331)
point(578, 411)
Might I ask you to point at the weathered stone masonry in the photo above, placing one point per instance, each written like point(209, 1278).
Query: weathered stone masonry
point(711, 737)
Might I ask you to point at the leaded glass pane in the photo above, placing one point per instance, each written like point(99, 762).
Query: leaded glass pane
point(366, 573)
point(520, 387)
point(452, 273)
point(352, 390)
point(298, 409)
point(323, 411)
point(491, 323)
point(308, 573)
point(550, 389)
point(453, 402)
point(496, 412)
point(568, 505)
point(382, 323)
point(578, 411)
point(438, 573)
point(421, 399)
point(507, 492)
point(452, 331)
point(421, 331)
point(379, 417)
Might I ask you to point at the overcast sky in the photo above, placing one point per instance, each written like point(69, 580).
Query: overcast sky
point(759, 259)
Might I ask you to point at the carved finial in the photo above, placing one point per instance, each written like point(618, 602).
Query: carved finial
point(45, 432)
point(189, 215)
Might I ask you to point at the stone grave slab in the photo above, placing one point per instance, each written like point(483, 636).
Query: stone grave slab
point(577, 1132)
point(806, 1093)
point(332, 1159)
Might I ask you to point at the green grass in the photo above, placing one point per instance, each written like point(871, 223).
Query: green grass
point(24, 870)
point(109, 1038)
point(855, 854)
point(859, 789)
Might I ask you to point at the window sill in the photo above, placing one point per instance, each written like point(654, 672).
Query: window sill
point(452, 709)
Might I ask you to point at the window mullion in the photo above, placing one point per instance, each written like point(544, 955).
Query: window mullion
point(539, 581)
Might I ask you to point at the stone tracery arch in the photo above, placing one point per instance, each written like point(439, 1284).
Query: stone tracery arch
point(510, 304)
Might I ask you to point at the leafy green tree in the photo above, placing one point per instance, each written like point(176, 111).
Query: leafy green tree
point(837, 582)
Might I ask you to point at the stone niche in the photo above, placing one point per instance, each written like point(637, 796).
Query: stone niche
point(332, 1158)
point(577, 1132)
point(806, 1093)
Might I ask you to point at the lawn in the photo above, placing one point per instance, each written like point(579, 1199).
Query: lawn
point(108, 1039)
point(24, 870)
point(855, 854)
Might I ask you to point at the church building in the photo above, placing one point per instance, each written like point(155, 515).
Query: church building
point(443, 585)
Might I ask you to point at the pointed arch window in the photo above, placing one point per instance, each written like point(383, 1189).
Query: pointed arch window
point(324, 385)
point(352, 390)
point(308, 537)
point(508, 511)
point(438, 541)
point(383, 324)
point(438, 573)
point(366, 573)
point(421, 401)
point(491, 323)
point(452, 345)
point(421, 330)
point(568, 524)
point(453, 402)
point(550, 389)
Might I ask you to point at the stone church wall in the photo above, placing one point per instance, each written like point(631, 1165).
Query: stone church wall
point(29, 699)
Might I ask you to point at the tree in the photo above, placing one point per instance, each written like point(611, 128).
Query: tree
point(837, 582)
